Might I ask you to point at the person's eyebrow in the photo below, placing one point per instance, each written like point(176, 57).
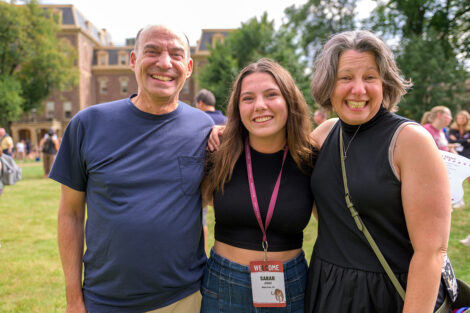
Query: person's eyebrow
point(178, 49)
point(157, 47)
point(151, 46)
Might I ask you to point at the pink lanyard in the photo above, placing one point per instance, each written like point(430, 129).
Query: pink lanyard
point(254, 199)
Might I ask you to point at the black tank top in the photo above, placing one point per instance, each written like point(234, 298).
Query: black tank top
point(375, 192)
point(235, 221)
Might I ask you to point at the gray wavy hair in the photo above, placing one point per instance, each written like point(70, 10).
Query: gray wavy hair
point(326, 66)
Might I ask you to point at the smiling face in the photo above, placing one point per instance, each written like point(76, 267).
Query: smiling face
point(358, 91)
point(161, 64)
point(461, 119)
point(263, 111)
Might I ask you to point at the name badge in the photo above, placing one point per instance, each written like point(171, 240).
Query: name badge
point(267, 284)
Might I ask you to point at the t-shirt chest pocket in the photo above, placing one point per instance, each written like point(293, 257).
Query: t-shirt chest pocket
point(191, 172)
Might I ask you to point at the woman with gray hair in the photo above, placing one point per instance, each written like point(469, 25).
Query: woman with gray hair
point(383, 168)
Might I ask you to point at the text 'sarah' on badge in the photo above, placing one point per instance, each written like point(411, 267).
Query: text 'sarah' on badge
point(458, 169)
point(267, 284)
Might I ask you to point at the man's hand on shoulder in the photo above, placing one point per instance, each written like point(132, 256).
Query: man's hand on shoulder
point(215, 137)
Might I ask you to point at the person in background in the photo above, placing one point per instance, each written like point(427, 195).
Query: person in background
point(387, 160)
point(434, 121)
point(6, 142)
point(262, 168)
point(21, 150)
point(319, 116)
point(49, 145)
point(28, 147)
point(136, 164)
point(459, 133)
point(205, 101)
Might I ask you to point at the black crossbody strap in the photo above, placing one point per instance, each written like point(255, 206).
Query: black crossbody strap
point(362, 227)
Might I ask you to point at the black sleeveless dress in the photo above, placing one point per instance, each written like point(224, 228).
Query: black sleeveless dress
point(344, 273)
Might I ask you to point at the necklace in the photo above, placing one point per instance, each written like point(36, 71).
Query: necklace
point(350, 141)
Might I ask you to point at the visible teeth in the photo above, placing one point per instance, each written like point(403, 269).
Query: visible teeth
point(164, 78)
point(263, 119)
point(356, 104)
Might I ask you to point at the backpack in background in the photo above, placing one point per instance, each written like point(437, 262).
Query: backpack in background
point(49, 147)
point(10, 172)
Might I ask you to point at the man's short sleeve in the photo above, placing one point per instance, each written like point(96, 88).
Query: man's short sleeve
point(69, 166)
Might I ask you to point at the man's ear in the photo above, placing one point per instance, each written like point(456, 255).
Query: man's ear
point(132, 60)
point(190, 68)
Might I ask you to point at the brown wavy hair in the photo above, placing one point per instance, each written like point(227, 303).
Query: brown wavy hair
point(466, 126)
point(326, 66)
point(298, 127)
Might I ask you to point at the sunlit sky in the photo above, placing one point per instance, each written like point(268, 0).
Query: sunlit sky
point(123, 19)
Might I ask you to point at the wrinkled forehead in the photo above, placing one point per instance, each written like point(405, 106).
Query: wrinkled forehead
point(162, 33)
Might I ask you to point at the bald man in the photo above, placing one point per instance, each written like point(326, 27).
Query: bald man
point(136, 164)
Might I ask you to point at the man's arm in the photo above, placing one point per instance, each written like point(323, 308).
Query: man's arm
point(70, 232)
point(56, 144)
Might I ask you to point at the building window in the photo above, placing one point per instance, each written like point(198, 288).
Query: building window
point(103, 86)
point(58, 13)
point(50, 109)
point(124, 84)
point(67, 109)
point(122, 58)
point(102, 58)
point(217, 38)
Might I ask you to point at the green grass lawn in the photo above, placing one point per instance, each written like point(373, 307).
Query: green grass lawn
point(31, 278)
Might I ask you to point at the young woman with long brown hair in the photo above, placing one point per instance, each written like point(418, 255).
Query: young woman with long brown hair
point(259, 179)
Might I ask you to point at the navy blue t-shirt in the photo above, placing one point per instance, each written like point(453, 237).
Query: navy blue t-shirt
point(141, 174)
point(218, 117)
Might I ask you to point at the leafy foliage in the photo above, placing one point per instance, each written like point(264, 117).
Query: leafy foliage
point(32, 59)
point(316, 20)
point(253, 40)
point(430, 50)
point(438, 80)
point(11, 101)
point(218, 74)
point(431, 39)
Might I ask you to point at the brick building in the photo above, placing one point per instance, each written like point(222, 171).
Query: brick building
point(104, 74)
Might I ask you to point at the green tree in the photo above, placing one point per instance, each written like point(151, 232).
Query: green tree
point(253, 40)
point(437, 78)
point(33, 61)
point(445, 21)
point(218, 74)
point(317, 20)
point(10, 99)
point(431, 39)
point(314, 22)
point(431, 50)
